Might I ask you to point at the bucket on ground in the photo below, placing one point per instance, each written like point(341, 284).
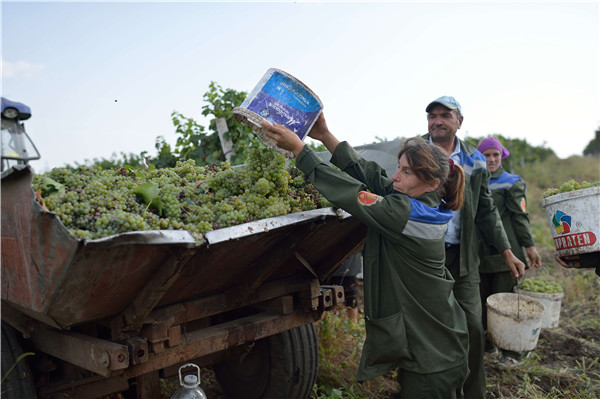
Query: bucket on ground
point(279, 98)
point(574, 219)
point(552, 302)
point(514, 321)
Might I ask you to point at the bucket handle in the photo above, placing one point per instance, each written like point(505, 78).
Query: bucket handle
point(189, 365)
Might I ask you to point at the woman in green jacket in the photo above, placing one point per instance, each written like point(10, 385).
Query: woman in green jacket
point(509, 194)
point(413, 322)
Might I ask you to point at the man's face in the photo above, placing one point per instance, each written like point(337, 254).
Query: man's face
point(443, 123)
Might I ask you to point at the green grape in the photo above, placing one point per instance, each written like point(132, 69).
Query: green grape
point(549, 287)
point(567, 186)
point(94, 203)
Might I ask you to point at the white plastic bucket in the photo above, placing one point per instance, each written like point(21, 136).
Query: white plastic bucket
point(279, 98)
point(552, 302)
point(514, 321)
point(574, 219)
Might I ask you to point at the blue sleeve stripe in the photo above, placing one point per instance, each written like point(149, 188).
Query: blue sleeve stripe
point(506, 178)
point(420, 212)
point(475, 161)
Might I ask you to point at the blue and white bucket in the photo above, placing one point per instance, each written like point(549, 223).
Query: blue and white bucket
point(279, 98)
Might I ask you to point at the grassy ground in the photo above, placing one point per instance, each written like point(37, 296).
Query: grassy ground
point(565, 363)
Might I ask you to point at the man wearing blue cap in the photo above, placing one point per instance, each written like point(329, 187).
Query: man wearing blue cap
point(444, 118)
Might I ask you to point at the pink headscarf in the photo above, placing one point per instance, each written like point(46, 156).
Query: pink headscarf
point(492, 142)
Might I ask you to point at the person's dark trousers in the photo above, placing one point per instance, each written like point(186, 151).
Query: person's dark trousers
point(466, 292)
point(441, 385)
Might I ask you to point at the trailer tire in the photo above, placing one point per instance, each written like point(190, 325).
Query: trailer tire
point(283, 366)
point(18, 384)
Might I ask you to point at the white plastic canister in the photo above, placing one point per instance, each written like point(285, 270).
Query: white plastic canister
point(552, 302)
point(514, 321)
point(574, 219)
point(279, 98)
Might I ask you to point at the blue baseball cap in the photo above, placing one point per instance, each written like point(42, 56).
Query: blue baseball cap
point(447, 101)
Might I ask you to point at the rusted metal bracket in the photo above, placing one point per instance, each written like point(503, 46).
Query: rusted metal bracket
point(326, 299)
point(138, 350)
point(162, 327)
point(208, 340)
point(337, 292)
point(131, 320)
point(97, 355)
point(309, 298)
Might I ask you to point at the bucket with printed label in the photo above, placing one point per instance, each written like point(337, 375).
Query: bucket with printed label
point(282, 99)
point(574, 219)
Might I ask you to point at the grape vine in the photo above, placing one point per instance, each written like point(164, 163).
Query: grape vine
point(94, 203)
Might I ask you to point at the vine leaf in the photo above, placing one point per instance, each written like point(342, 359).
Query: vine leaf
point(51, 187)
point(149, 193)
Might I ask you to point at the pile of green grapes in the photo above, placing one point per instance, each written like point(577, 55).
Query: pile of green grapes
point(570, 185)
point(94, 203)
point(547, 287)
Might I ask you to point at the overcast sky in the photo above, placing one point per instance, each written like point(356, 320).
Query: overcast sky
point(103, 78)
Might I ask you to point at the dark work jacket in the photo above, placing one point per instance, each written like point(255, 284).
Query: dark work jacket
point(508, 192)
point(479, 214)
point(412, 319)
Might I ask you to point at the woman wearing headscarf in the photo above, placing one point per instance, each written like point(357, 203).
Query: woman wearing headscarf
point(509, 194)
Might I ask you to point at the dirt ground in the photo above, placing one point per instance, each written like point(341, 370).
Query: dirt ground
point(566, 359)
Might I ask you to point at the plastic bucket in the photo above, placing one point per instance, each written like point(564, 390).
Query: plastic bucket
point(514, 322)
point(279, 98)
point(552, 303)
point(574, 219)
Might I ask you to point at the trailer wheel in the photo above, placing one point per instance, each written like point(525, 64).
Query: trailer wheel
point(283, 366)
point(19, 383)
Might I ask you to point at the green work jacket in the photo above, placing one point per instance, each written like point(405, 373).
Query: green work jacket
point(412, 319)
point(479, 214)
point(508, 192)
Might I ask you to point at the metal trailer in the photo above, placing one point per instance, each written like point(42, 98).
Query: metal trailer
point(114, 315)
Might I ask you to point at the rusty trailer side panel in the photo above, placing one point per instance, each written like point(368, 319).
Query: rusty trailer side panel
point(61, 281)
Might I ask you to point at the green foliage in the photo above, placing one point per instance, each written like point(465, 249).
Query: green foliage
point(593, 148)
point(49, 186)
point(340, 347)
point(203, 145)
point(220, 104)
point(521, 152)
point(114, 161)
point(24, 355)
point(194, 141)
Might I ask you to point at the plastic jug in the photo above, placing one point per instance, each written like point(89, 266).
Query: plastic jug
point(190, 385)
